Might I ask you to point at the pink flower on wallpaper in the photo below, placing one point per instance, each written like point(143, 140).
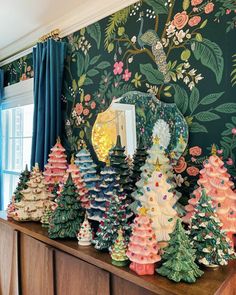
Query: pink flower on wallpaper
point(193, 159)
point(79, 108)
point(220, 152)
point(87, 97)
point(181, 165)
point(194, 21)
point(229, 162)
point(196, 2)
point(93, 105)
point(86, 112)
point(118, 68)
point(126, 76)
point(192, 171)
point(195, 151)
point(234, 131)
point(227, 11)
point(180, 20)
point(209, 8)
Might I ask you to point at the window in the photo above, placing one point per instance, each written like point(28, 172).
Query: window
point(17, 124)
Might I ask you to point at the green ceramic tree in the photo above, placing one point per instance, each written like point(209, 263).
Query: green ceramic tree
point(47, 215)
point(118, 250)
point(179, 257)
point(139, 159)
point(68, 215)
point(22, 184)
point(119, 163)
point(210, 241)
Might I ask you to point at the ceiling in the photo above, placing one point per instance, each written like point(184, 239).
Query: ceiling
point(21, 17)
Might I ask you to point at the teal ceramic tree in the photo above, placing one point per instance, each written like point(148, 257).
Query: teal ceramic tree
point(119, 163)
point(68, 215)
point(179, 258)
point(22, 184)
point(210, 241)
point(87, 168)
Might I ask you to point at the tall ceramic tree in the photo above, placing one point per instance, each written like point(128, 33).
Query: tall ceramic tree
point(179, 257)
point(119, 163)
point(56, 167)
point(159, 202)
point(210, 241)
point(68, 215)
point(139, 159)
point(215, 179)
point(22, 184)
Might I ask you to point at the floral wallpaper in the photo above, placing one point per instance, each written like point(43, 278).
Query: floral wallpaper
point(182, 51)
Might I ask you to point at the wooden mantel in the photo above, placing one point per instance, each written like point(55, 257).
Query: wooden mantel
point(221, 281)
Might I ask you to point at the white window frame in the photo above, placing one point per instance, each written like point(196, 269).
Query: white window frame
point(16, 95)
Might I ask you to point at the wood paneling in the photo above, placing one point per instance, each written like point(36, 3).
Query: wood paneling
point(76, 277)
point(36, 267)
point(122, 287)
point(8, 260)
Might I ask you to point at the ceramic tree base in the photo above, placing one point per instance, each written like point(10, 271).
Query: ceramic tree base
point(84, 243)
point(142, 269)
point(119, 263)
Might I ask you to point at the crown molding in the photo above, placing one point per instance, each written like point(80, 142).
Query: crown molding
point(87, 13)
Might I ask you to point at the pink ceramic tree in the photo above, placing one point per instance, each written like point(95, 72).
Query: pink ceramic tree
point(215, 179)
point(78, 181)
point(143, 249)
point(57, 165)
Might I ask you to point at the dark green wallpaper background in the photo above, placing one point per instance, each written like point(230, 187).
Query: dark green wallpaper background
point(183, 51)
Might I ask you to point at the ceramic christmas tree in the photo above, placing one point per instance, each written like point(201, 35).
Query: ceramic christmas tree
point(85, 233)
point(55, 190)
point(56, 166)
point(139, 159)
point(215, 179)
point(119, 163)
point(142, 248)
point(87, 168)
point(118, 250)
point(159, 201)
point(79, 182)
point(68, 215)
point(34, 198)
point(22, 184)
point(114, 217)
point(156, 160)
point(47, 214)
point(210, 241)
point(179, 258)
point(101, 194)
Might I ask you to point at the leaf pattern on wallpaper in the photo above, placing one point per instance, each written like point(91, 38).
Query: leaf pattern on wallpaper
point(159, 6)
point(94, 31)
point(210, 55)
point(227, 9)
point(153, 76)
point(233, 73)
point(115, 20)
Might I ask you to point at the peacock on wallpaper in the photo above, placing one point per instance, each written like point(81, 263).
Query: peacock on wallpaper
point(180, 50)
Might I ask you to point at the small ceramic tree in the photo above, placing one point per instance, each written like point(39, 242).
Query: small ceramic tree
point(179, 258)
point(85, 233)
point(68, 215)
point(211, 244)
point(57, 165)
point(142, 248)
point(47, 214)
point(118, 250)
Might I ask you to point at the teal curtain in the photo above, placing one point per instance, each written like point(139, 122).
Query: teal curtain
point(48, 63)
point(1, 97)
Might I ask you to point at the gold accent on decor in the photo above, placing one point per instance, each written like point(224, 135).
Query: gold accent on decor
point(156, 140)
point(72, 160)
point(53, 34)
point(181, 139)
point(143, 211)
point(58, 139)
point(213, 150)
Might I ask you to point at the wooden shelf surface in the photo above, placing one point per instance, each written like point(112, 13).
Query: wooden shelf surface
point(214, 281)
